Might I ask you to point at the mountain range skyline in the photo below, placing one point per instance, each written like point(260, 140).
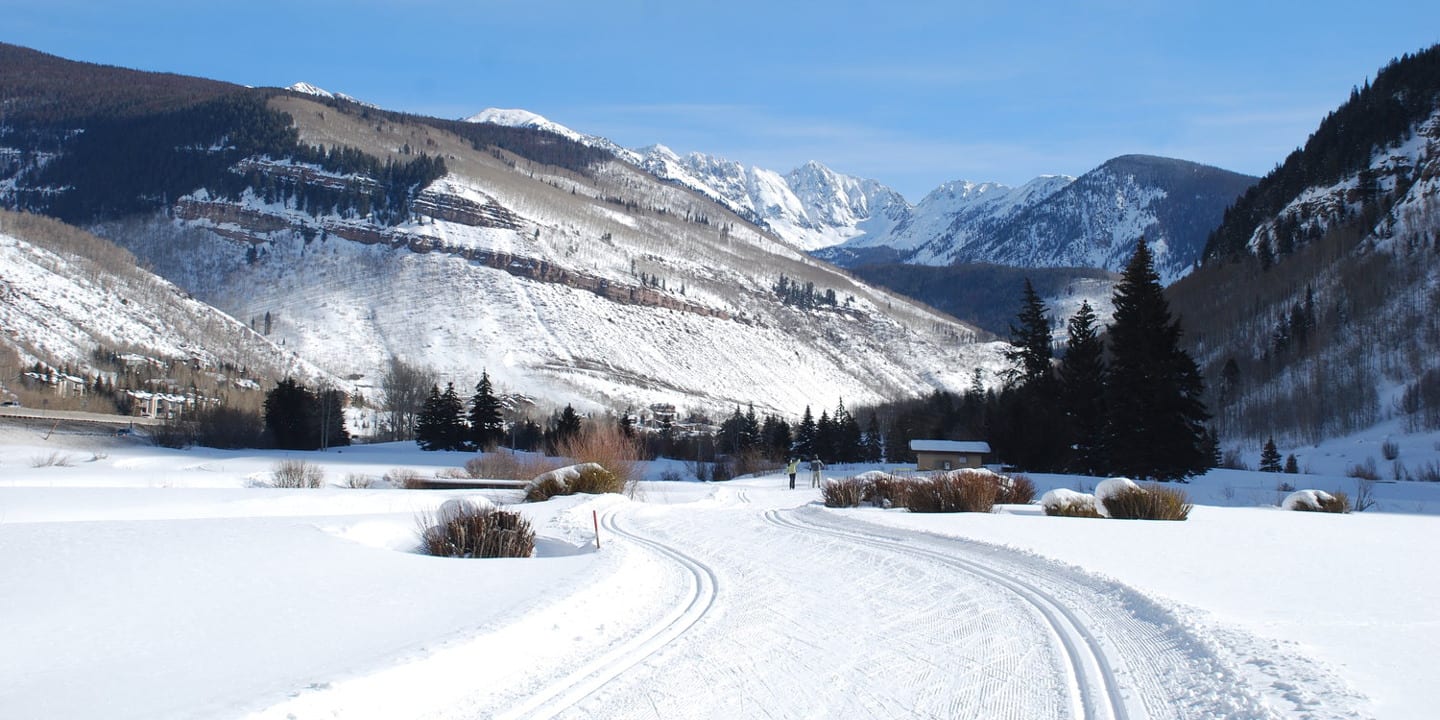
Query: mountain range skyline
point(917, 94)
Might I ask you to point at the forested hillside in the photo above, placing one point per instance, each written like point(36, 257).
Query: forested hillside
point(1314, 314)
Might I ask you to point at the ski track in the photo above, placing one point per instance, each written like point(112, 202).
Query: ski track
point(596, 673)
point(925, 626)
point(1127, 657)
point(1095, 693)
point(898, 640)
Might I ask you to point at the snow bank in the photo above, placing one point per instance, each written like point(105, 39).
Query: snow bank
point(1064, 499)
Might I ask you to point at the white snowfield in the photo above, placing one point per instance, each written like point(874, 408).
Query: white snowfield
point(142, 583)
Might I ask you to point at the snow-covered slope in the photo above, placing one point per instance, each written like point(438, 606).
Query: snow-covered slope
point(64, 295)
point(600, 286)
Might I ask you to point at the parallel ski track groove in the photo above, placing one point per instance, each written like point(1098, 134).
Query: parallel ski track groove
point(591, 676)
point(1082, 648)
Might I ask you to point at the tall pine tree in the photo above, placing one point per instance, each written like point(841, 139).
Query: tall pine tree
point(1082, 393)
point(1031, 434)
point(487, 424)
point(1157, 416)
point(805, 436)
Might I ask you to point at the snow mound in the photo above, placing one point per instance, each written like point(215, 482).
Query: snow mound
point(1309, 500)
point(1114, 486)
point(458, 508)
point(1067, 499)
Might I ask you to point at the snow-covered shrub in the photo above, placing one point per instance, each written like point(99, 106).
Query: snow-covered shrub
point(1125, 500)
point(848, 492)
point(1063, 502)
point(965, 490)
point(1316, 501)
point(588, 478)
point(296, 474)
point(1014, 490)
point(476, 529)
point(1112, 486)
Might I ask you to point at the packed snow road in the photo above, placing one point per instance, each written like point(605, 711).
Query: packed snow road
point(794, 612)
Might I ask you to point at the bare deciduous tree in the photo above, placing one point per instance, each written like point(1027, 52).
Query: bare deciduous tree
point(405, 388)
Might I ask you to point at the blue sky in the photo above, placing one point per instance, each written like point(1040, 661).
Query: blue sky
point(909, 93)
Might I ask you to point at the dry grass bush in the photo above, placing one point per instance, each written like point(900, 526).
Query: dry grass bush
point(1367, 471)
point(1390, 449)
point(1082, 510)
point(587, 478)
point(405, 478)
point(296, 474)
point(955, 491)
point(1151, 502)
point(508, 466)
point(1339, 502)
point(889, 491)
point(848, 492)
point(464, 530)
point(751, 462)
point(1014, 490)
point(607, 447)
point(54, 459)
point(359, 481)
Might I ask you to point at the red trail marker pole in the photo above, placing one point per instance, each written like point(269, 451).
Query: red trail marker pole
point(596, 518)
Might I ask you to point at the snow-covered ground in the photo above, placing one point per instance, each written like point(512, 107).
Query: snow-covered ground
point(145, 583)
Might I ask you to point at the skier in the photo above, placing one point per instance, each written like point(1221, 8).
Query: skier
point(792, 468)
point(815, 467)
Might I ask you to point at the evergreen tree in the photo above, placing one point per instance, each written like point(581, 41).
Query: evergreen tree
point(1157, 417)
point(1270, 457)
point(805, 436)
point(849, 441)
point(1030, 433)
point(1082, 393)
point(874, 450)
point(453, 431)
point(429, 423)
point(290, 416)
point(897, 441)
point(750, 437)
point(565, 427)
point(1292, 466)
point(732, 430)
point(487, 424)
point(776, 438)
point(1031, 353)
point(825, 437)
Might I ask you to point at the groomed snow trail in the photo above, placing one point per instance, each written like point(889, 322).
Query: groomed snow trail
point(798, 612)
point(594, 674)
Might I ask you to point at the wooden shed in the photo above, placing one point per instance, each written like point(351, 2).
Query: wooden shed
point(949, 454)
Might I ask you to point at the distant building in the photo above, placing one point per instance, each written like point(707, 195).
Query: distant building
point(949, 454)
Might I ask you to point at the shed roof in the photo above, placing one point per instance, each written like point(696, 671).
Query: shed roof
point(950, 446)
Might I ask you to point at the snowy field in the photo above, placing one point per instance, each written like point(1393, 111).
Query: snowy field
point(144, 583)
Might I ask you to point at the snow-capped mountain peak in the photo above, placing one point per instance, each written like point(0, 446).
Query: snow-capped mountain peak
point(308, 89)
